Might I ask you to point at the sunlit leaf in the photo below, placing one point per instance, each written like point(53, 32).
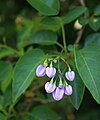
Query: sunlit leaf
point(46, 7)
point(24, 71)
point(88, 65)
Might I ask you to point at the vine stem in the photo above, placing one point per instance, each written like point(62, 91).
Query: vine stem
point(80, 33)
point(82, 2)
point(10, 108)
point(65, 62)
point(63, 35)
point(59, 45)
point(64, 39)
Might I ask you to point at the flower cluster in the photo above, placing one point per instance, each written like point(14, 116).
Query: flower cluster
point(57, 91)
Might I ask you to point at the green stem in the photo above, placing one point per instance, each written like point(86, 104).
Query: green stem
point(65, 62)
point(64, 40)
point(59, 45)
point(59, 67)
point(5, 112)
point(63, 35)
point(11, 108)
point(15, 51)
point(22, 51)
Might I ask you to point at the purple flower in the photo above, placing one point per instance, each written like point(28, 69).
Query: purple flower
point(50, 72)
point(70, 75)
point(41, 70)
point(50, 87)
point(58, 93)
point(68, 90)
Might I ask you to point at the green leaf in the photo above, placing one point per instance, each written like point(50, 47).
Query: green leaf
point(3, 117)
point(51, 21)
point(48, 49)
point(5, 75)
point(71, 48)
point(97, 10)
point(92, 114)
point(28, 116)
point(88, 65)
point(73, 14)
point(43, 112)
point(24, 71)
point(5, 52)
point(43, 37)
point(83, 20)
point(30, 28)
point(46, 7)
point(1, 102)
point(94, 23)
point(78, 91)
point(8, 100)
point(24, 32)
point(93, 38)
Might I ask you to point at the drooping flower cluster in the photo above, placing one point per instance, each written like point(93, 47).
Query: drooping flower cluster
point(62, 88)
point(58, 91)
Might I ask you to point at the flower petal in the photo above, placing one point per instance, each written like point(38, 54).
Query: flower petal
point(50, 72)
point(50, 87)
point(40, 71)
point(58, 93)
point(68, 90)
point(70, 75)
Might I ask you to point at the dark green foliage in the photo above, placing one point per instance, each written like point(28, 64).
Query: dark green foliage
point(34, 31)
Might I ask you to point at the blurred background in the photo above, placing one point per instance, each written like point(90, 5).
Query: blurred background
point(12, 15)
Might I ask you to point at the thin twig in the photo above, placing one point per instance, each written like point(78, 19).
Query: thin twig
point(28, 106)
point(61, 46)
point(82, 3)
point(79, 35)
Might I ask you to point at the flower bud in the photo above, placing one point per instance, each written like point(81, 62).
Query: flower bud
point(68, 90)
point(50, 72)
point(77, 25)
point(58, 93)
point(70, 75)
point(50, 87)
point(40, 71)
